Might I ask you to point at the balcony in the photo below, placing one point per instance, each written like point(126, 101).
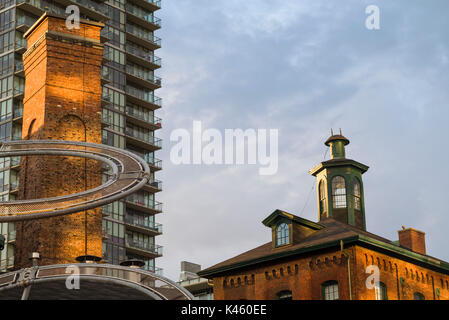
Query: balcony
point(143, 248)
point(105, 75)
point(142, 17)
point(143, 119)
point(105, 233)
point(155, 164)
point(153, 186)
point(18, 112)
point(38, 7)
point(142, 97)
point(142, 57)
point(19, 69)
point(143, 140)
point(151, 5)
point(136, 202)
point(23, 23)
point(142, 37)
point(88, 9)
point(20, 45)
point(143, 78)
point(140, 225)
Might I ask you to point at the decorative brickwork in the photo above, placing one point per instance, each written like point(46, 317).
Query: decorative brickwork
point(305, 275)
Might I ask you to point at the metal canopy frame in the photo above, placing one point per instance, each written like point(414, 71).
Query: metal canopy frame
point(39, 280)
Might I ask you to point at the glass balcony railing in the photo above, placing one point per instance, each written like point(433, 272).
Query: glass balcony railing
point(139, 222)
point(143, 14)
point(143, 74)
point(158, 271)
point(105, 74)
point(149, 158)
point(144, 95)
point(20, 43)
point(25, 20)
point(145, 116)
point(136, 199)
point(143, 34)
point(145, 246)
point(155, 2)
point(18, 112)
point(44, 5)
point(18, 67)
point(144, 55)
point(155, 184)
point(92, 5)
point(143, 136)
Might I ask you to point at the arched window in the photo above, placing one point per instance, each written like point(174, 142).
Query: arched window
point(357, 201)
point(284, 295)
point(330, 290)
point(418, 296)
point(322, 197)
point(338, 192)
point(282, 234)
point(381, 291)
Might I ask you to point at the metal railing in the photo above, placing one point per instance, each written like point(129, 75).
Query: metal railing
point(98, 7)
point(18, 112)
point(144, 75)
point(144, 95)
point(143, 34)
point(147, 204)
point(155, 2)
point(150, 159)
point(25, 20)
point(143, 14)
point(144, 55)
point(145, 246)
point(145, 116)
point(135, 221)
point(155, 184)
point(18, 67)
point(145, 137)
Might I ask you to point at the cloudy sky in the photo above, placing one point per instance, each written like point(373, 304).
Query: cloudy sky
point(303, 67)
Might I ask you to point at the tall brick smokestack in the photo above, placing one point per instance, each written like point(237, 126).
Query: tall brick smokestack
point(62, 101)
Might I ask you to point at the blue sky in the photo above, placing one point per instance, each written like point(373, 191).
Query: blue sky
point(303, 67)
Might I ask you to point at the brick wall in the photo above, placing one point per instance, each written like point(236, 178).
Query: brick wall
point(304, 277)
point(62, 102)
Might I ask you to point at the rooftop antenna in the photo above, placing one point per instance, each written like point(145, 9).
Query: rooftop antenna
point(340, 132)
point(332, 132)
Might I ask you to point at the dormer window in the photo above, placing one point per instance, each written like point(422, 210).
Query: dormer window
point(282, 234)
point(338, 192)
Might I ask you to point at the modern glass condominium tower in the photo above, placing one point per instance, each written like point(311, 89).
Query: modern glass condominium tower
point(128, 112)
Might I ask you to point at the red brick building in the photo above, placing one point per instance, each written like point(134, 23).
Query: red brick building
point(334, 258)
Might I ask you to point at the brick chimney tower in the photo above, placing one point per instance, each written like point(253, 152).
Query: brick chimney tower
point(62, 101)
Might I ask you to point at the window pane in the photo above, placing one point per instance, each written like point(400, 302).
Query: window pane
point(338, 192)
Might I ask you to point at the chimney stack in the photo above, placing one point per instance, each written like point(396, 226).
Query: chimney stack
point(412, 239)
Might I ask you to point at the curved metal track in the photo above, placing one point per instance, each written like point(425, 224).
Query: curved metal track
point(129, 174)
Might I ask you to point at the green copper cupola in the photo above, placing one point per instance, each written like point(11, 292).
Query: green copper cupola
point(337, 145)
point(340, 186)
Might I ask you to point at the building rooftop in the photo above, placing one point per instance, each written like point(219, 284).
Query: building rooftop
point(329, 235)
